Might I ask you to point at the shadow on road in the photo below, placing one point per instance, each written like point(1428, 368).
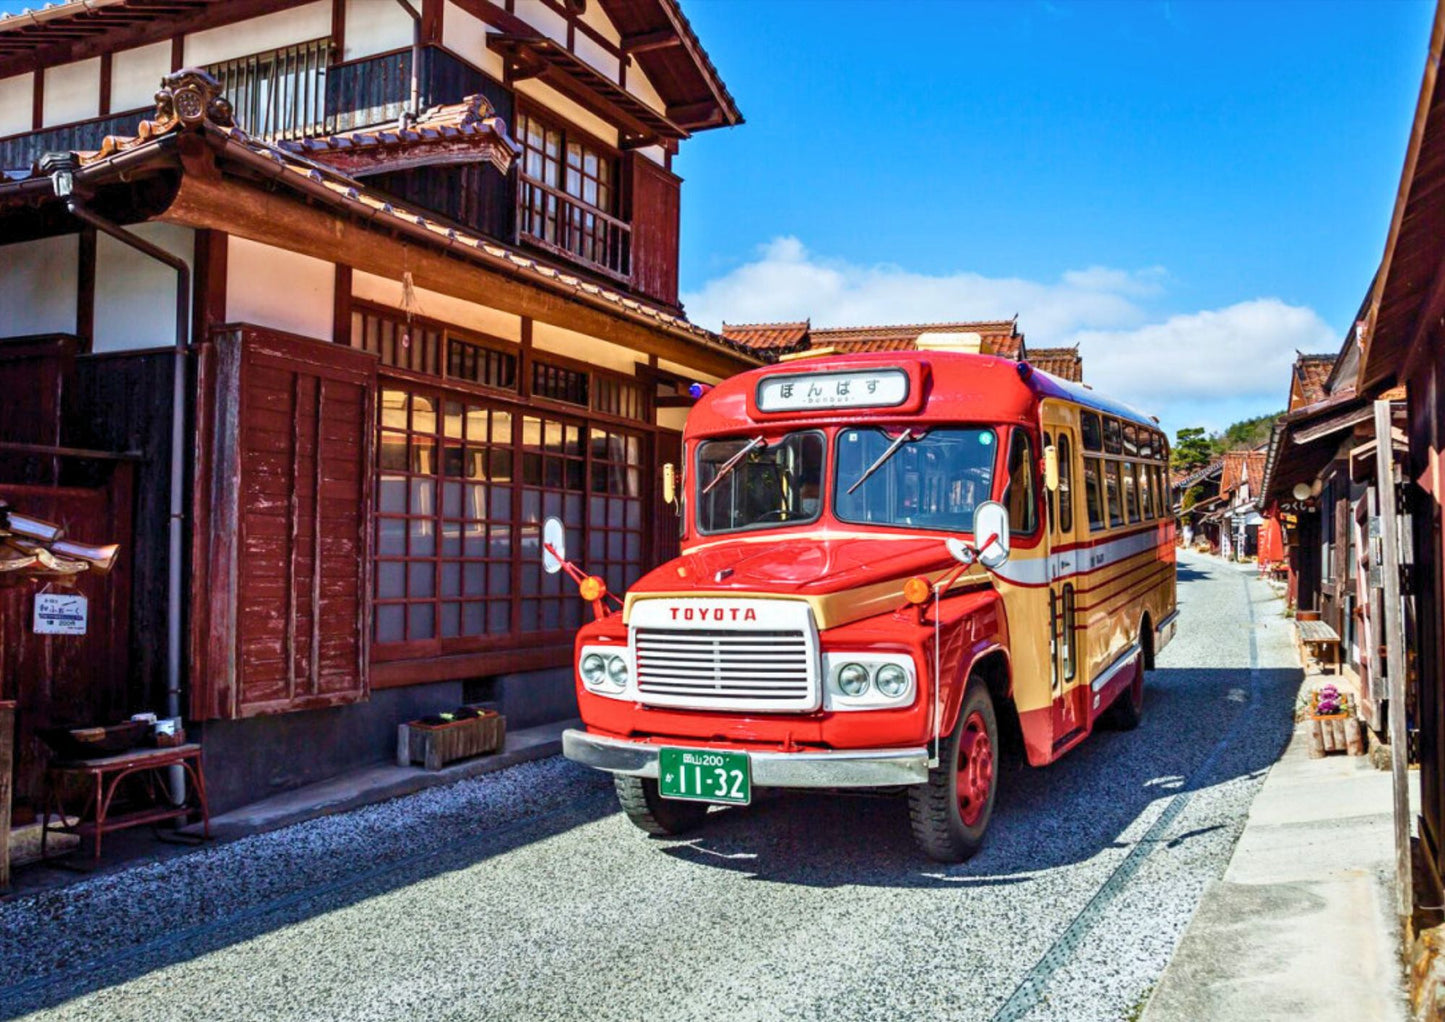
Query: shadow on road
point(1045, 818)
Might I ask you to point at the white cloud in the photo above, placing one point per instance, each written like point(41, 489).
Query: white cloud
point(1237, 357)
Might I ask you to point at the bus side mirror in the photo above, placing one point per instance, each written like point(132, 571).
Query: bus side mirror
point(1051, 468)
point(669, 483)
point(991, 534)
point(554, 545)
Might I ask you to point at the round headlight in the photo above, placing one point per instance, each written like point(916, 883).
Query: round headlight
point(594, 669)
point(853, 679)
point(892, 680)
point(617, 671)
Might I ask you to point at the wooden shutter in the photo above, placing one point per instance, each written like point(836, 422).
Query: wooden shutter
point(656, 202)
point(283, 499)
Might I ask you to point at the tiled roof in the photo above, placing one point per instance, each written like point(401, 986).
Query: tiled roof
point(1243, 467)
point(778, 337)
point(1186, 479)
point(206, 111)
point(470, 129)
point(1065, 363)
point(1310, 374)
point(1000, 337)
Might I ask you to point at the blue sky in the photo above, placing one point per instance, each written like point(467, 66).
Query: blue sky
point(1189, 191)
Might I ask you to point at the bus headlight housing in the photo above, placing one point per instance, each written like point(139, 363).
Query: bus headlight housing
point(605, 671)
point(868, 681)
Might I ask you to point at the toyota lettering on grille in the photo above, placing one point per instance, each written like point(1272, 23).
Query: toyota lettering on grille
point(713, 613)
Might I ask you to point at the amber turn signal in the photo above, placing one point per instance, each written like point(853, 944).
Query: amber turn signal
point(916, 590)
point(592, 588)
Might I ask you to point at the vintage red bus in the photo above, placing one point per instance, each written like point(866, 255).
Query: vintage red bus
point(889, 562)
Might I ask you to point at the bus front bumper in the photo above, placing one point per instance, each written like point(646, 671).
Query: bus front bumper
point(1164, 631)
point(844, 768)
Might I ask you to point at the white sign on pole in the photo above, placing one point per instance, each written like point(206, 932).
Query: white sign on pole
point(60, 614)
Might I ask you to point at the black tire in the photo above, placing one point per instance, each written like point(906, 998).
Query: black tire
point(935, 808)
point(649, 811)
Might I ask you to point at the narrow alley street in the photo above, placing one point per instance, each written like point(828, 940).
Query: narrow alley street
point(527, 894)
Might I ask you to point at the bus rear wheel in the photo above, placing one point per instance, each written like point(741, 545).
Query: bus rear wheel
point(649, 811)
point(950, 813)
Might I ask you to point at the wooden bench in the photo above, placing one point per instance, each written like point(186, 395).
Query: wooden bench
point(1313, 634)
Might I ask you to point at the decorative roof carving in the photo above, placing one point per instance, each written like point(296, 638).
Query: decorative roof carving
point(187, 98)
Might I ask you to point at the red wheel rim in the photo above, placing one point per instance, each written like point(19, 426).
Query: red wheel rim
point(975, 769)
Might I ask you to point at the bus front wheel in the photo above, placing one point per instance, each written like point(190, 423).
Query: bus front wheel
point(649, 811)
point(951, 811)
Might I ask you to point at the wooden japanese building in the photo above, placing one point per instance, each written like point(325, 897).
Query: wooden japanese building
point(420, 261)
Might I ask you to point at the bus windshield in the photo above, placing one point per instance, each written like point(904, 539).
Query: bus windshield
point(746, 483)
point(933, 479)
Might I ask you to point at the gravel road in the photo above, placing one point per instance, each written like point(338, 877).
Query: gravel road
point(525, 894)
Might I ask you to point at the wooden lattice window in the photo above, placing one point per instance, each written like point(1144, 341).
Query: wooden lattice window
point(397, 342)
point(558, 383)
point(479, 364)
point(619, 398)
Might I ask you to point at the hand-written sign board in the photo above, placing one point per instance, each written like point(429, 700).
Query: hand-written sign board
point(60, 614)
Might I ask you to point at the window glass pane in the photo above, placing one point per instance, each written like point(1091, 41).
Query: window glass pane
point(1093, 494)
point(1111, 488)
point(1093, 433)
point(931, 481)
point(1066, 484)
point(1113, 440)
point(1131, 491)
point(1021, 495)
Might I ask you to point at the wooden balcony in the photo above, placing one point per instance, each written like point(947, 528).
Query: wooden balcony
point(563, 224)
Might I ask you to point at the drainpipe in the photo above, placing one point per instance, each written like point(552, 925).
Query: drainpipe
point(415, 111)
point(62, 178)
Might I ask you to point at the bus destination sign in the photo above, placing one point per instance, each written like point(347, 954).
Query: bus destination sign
point(857, 388)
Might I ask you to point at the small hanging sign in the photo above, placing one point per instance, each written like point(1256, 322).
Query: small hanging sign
point(60, 614)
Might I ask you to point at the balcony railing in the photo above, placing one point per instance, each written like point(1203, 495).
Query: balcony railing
point(552, 219)
point(280, 93)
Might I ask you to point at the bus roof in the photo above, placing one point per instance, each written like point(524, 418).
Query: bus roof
point(959, 386)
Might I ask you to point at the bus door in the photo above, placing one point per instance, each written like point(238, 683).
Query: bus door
point(1069, 697)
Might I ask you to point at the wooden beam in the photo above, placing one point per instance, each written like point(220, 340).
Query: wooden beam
point(279, 220)
point(431, 22)
point(338, 29)
point(85, 290)
point(105, 85)
point(646, 42)
point(208, 307)
point(341, 307)
point(178, 51)
point(37, 101)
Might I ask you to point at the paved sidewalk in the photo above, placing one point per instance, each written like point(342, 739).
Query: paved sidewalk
point(1301, 925)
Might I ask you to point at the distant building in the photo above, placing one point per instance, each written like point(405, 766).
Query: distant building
point(996, 337)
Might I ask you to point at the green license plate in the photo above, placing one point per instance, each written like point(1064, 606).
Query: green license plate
point(705, 775)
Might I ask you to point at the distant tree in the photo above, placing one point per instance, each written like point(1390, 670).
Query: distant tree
point(1248, 432)
point(1193, 448)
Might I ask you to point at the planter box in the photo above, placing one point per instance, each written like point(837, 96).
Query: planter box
point(436, 745)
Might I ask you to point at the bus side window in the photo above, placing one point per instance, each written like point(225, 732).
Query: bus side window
point(1111, 489)
point(1066, 484)
point(1070, 650)
point(1131, 490)
point(1093, 493)
point(1146, 492)
point(1049, 494)
point(1019, 497)
point(1091, 431)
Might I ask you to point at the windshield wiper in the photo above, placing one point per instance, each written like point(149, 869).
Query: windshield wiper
point(754, 444)
point(903, 438)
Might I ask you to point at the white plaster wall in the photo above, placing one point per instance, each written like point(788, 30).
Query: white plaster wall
point(655, 153)
point(687, 373)
point(571, 344)
point(136, 74)
point(594, 16)
point(594, 54)
point(466, 36)
point(135, 295)
point(672, 418)
point(38, 282)
point(72, 92)
point(640, 86)
point(376, 26)
point(549, 98)
point(283, 28)
point(435, 305)
point(543, 18)
point(17, 104)
point(283, 290)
